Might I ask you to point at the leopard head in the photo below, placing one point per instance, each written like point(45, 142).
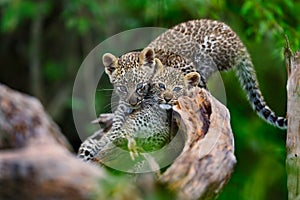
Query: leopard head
point(131, 74)
point(169, 84)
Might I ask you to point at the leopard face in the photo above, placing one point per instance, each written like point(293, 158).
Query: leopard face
point(169, 84)
point(131, 74)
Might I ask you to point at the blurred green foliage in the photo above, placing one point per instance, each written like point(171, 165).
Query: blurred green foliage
point(70, 29)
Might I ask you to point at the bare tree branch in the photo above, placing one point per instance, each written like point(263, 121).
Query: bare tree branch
point(293, 131)
point(36, 84)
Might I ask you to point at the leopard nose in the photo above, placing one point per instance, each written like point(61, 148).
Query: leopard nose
point(168, 96)
point(133, 100)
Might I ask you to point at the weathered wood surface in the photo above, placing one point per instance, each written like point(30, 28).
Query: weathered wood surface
point(35, 161)
point(293, 131)
point(207, 160)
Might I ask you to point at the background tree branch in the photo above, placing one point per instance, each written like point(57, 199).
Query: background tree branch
point(293, 131)
point(36, 83)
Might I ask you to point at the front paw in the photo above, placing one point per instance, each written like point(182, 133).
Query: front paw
point(105, 118)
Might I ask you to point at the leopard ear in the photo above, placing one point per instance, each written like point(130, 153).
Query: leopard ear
point(158, 66)
point(108, 61)
point(147, 57)
point(192, 79)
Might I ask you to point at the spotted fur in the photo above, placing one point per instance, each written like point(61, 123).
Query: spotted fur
point(208, 46)
point(91, 146)
point(203, 46)
point(148, 127)
point(169, 84)
point(130, 74)
point(136, 134)
point(136, 131)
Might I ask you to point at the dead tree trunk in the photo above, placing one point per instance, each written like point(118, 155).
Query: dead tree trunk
point(207, 160)
point(293, 131)
point(35, 160)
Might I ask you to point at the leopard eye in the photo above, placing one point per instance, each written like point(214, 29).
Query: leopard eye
point(177, 89)
point(122, 88)
point(161, 86)
point(142, 88)
point(139, 86)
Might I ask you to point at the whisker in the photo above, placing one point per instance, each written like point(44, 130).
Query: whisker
point(105, 95)
point(105, 89)
point(105, 109)
point(109, 107)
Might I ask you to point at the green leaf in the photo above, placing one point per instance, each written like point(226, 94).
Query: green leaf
point(247, 6)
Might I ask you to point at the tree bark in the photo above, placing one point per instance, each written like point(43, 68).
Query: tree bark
point(36, 162)
point(207, 160)
point(36, 84)
point(293, 130)
point(35, 158)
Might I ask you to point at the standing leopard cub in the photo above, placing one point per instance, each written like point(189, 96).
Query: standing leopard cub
point(205, 46)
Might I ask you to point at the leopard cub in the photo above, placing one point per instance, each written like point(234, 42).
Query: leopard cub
point(170, 83)
point(131, 74)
